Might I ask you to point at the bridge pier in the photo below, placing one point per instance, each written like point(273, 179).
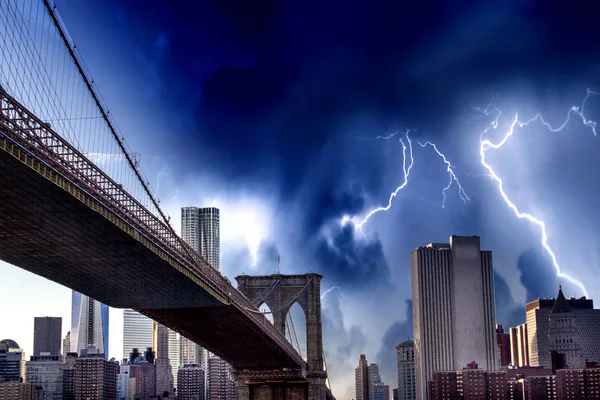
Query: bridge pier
point(280, 385)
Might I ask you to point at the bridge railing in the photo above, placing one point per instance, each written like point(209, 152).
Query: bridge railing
point(26, 130)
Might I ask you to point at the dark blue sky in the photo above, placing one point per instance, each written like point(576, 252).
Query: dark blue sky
point(273, 100)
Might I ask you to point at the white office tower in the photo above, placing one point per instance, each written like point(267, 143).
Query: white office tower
point(453, 308)
point(200, 229)
point(137, 332)
point(405, 368)
point(89, 324)
point(221, 385)
point(164, 372)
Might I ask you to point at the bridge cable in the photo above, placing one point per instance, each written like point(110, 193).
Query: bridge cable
point(289, 303)
point(262, 296)
point(293, 330)
point(114, 133)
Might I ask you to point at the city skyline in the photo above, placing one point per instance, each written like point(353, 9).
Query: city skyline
point(340, 142)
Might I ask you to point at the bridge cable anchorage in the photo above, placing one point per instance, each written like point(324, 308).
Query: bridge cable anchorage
point(113, 131)
point(289, 303)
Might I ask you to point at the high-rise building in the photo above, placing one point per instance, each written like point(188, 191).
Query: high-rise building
point(12, 361)
point(200, 228)
point(47, 335)
point(368, 381)
point(95, 378)
point(190, 382)
point(361, 378)
point(164, 372)
point(563, 336)
point(453, 308)
point(19, 391)
point(220, 382)
point(68, 390)
point(123, 382)
point(503, 343)
point(66, 344)
point(405, 368)
point(519, 346)
point(585, 318)
point(143, 373)
point(89, 324)
point(386, 392)
point(137, 331)
point(46, 371)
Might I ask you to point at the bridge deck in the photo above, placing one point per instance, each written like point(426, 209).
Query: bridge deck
point(49, 227)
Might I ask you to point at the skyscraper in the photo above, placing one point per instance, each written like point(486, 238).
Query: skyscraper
point(190, 382)
point(220, 382)
point(89, 324)
point(66, 343)
point(453, 308)
point(47, 332)
point(95, 378)
point(563, 336)
point(361, 378)
point(137, 331)
point(164, 372)
point(405, 367)
point(368, 381)
point(200, 229)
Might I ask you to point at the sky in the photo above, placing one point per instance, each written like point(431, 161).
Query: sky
point(271, 111)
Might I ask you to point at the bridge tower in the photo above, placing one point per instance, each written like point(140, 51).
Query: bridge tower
point(280, 292)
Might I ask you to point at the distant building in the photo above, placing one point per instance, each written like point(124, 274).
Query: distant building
point(519, 346)
point(19, 391)
point(137, 331)
point(89, 324)
point(200, 228)
point(68, 390)
point(361, 378)
point(447, 280)
point(368, 381)
point(144, 373)
point(66, 344)
point(503, 343)
point(395, 394)
point(190, 382)
point(584, 316)
point(47, 335)
point(12, 361)
point(123, 382)
point(164, 372)
point(386, 392)
point(405, 368)
point(221, 385)
point(95, 377)
point(46, 371)
point(563, 336)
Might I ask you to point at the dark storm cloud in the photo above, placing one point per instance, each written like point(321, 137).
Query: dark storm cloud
point(537, 274)
point(508, 312)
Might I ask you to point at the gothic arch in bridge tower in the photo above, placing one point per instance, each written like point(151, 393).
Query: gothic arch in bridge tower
point(279, 293)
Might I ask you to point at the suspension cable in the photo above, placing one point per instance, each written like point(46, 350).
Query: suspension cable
point(289, 303)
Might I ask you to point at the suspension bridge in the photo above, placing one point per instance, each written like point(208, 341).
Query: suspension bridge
point(76, 208)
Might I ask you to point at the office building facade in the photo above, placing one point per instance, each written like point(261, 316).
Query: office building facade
point(221, 385)
point(405, 368)
point(503, 343)
point(534, 336)
point(137, 331)
point(95, 377)
point(200, 228)
point(190, 382)
point(46, 371)
point(453, 308)
point(89, 324)
point(47, 335)
point(12, 361)
point(164, 372)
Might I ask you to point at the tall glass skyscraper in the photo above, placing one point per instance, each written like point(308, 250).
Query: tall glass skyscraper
point(89, 324)
point(137, 332)
point(200, 228)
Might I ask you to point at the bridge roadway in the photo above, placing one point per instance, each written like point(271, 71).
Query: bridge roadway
point(64, 219)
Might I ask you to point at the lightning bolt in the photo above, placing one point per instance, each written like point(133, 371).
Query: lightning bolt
point(332, 288)
point(452, 175)
point(406, 170)
point(175, 197)
point(158, 176)
point(485, 145)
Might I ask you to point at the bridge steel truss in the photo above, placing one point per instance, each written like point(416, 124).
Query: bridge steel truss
point(34, 143)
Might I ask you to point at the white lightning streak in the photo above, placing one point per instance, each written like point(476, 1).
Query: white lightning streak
point(406, 172)
point(487, 144)
point(453, 178)
point(158, 176)
point(330, 289)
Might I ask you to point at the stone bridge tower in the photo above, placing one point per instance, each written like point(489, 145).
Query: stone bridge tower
point(280, 292)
